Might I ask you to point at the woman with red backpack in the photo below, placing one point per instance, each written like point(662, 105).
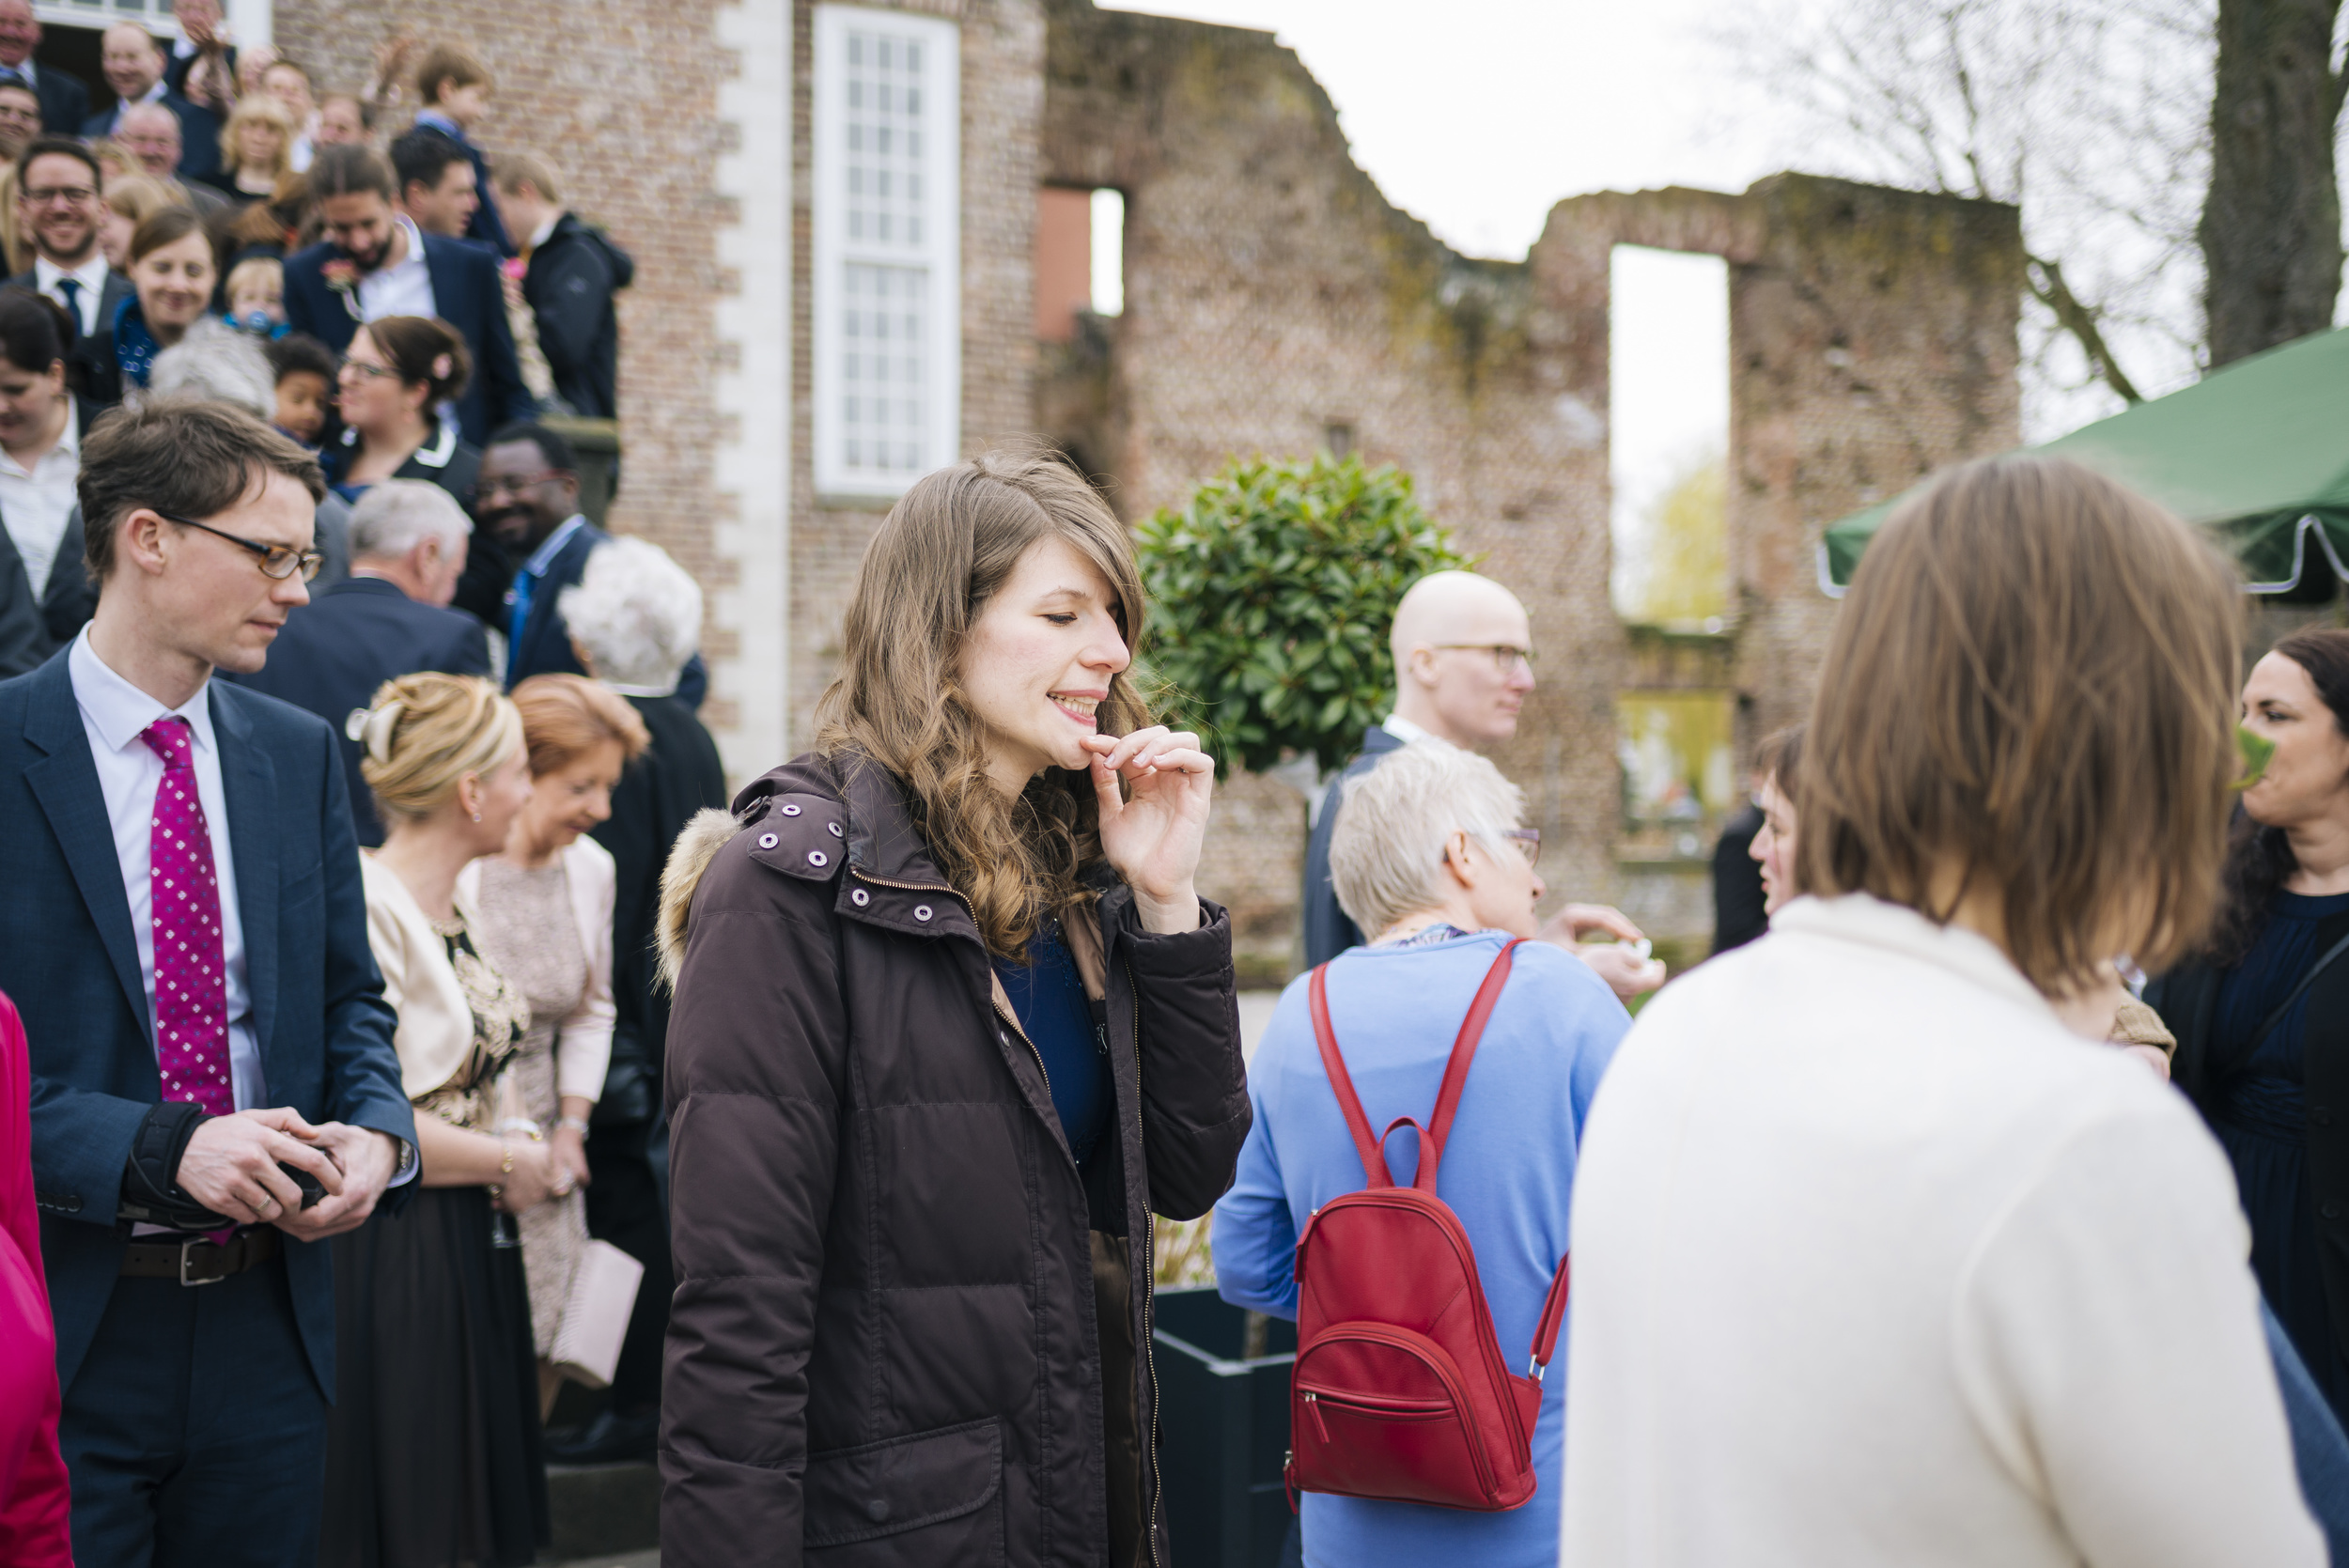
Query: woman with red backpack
point(1425, 1273)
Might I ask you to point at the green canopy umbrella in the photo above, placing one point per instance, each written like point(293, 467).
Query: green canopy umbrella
point(2258, 453)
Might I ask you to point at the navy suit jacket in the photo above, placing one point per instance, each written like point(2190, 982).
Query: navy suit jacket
point(351, 639)
point(64, 100)
point(199, 132)
point(468, 294)
point(69, 960)
point(1328, 931)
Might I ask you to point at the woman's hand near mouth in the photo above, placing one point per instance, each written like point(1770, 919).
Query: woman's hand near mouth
point(1153, 838)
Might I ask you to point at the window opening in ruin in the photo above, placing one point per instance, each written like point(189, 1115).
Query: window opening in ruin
point(1109, 253)
point(887, 307)
point(1667, 377)
point(1338, 438)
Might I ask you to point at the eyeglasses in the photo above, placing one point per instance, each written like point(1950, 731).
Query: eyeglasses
point(1507, 657)
point(518, 485)
point(278, 562)
point(43, 195)
point(365, 371)
point(1529, 843)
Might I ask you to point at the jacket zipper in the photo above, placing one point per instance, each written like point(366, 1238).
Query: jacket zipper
point(1149, 1301)
point(927, 887)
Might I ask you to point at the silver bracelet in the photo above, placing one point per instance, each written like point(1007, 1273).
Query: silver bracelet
point(576, 1123)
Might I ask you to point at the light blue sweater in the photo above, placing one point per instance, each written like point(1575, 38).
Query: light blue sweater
point(1508, 1173)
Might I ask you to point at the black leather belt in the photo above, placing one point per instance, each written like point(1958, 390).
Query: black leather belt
point(198, 1262)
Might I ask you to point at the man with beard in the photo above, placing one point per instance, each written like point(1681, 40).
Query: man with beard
point(527, 501)
point(64, 97)
point(134, 67)
point(57, 208)
point(375, 262)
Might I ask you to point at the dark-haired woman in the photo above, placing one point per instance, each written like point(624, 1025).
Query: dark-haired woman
point(952, 1024)
point(41, 423)
point(173, 271)
point(396, 373)
point(2263, 1055)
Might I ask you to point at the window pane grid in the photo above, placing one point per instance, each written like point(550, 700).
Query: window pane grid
point(884, 412)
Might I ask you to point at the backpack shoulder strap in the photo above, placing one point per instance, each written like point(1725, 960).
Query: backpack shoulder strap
point(1455, 1071)
point(1373, 1162)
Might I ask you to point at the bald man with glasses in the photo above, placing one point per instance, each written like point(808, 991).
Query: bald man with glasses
point(1463, 649)
point(214, 1089)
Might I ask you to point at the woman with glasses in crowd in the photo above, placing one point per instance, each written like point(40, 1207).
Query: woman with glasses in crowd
point(397, 375)
point(952, 1024)
point(433, 1448)
point(1876, 1258)
point(172, 273)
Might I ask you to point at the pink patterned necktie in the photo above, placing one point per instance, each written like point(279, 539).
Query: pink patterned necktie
point(191, 969)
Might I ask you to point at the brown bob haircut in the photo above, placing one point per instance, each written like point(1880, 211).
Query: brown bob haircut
point(446, 66)
point(2029, 696)
point(183, 457)
point(942, 553)
point(566, 716)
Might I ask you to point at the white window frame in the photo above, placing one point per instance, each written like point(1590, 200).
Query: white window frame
point(835, 250)
point(249, 20)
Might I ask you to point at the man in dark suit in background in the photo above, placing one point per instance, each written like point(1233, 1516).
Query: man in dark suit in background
point(134, 64)
point(64, 97)
point(186, 935)
point(395, 269)
point(389, 618)
point(59, 206)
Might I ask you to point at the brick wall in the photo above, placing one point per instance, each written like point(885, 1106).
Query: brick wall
point(621, 97)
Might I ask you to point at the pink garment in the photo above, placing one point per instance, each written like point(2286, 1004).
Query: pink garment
point(33, 1495)
point(191, 972)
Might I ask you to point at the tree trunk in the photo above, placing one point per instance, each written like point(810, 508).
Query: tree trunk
point(2271, 224)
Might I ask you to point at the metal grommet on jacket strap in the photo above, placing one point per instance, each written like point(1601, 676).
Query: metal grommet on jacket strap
point(835, 828)
point(921, 911)
point(859, 897)
point(768, 841)
point(816, 857)
point(790, 810)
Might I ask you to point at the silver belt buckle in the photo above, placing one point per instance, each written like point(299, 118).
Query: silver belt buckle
point(186, 1248)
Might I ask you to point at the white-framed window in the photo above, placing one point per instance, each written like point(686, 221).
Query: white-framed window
point(249, 20)
point(888, 249)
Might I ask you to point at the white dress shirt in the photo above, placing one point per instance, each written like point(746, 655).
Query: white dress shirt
point(1405, 731)
point(402, 288)
point(152, 95)
point(114, 714)
point(35, 503)
point(90, 276)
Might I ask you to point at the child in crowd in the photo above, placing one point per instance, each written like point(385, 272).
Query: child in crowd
point(306, 383)
point(257, 296)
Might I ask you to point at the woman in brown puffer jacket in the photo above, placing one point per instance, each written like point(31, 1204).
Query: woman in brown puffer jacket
point(951, 1025)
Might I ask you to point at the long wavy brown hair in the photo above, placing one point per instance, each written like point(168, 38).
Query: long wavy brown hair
point(899, 702)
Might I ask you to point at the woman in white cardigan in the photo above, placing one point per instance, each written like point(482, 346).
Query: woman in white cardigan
point(1876, 1261)
point(545, 905)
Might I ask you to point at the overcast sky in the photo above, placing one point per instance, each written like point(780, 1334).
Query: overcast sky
point(1478, 116)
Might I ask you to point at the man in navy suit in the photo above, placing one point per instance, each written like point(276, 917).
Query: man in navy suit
point(186, 936)
point(389, 618)
point(393, 269)
point(64, 99)
point(134, 67)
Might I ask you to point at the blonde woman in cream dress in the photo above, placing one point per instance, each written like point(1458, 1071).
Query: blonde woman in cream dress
point(545, 905)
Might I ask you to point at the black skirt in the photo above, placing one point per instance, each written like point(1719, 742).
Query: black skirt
point(433, 1453)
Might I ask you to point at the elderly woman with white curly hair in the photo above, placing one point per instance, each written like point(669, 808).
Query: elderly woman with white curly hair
point(635, 618)
point(1433, 861)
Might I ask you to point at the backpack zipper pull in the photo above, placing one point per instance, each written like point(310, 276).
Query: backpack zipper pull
point(1313, 1402)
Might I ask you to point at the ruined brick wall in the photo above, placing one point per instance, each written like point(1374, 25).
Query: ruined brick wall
point(1003, 60)
point(1273, 293)
point(621, 98)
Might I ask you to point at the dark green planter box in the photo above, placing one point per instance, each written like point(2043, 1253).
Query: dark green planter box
point(1225, 1425)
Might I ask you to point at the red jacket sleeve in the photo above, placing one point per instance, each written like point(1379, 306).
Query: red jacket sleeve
point(33, 1494)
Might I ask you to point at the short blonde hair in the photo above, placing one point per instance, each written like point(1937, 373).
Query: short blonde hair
point(566, 716)
point(251, 107)
point(2031, 686)
point(250, 271)
point(424, 732)
point(517, 169)
point(1395, 819)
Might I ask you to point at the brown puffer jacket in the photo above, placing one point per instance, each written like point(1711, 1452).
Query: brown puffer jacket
point(885, 1346)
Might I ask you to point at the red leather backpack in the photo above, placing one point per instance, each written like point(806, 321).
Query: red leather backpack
point(1399, 1391)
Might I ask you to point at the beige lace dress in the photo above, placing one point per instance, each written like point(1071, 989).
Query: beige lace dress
point(532, 936)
